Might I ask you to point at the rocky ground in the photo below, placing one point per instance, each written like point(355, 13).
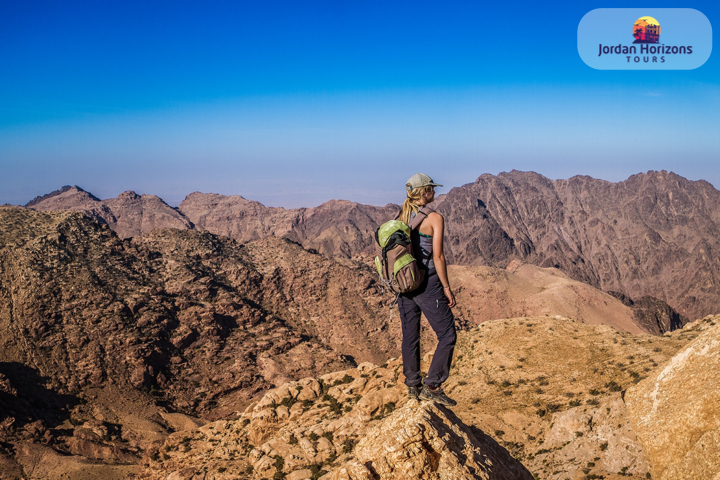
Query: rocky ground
point(540, 396)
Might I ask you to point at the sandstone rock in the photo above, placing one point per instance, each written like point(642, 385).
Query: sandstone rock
point(676, 412)
point(427, 441)
point(600, 436)
point(300, 475)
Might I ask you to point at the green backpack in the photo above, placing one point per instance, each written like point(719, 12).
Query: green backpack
point(398, 268)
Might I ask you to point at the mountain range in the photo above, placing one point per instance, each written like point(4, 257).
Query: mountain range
point(652, 235)
point(128, 327)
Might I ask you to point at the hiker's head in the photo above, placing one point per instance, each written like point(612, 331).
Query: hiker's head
point(420, 191)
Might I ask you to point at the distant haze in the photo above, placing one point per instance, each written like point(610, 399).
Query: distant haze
point(293, 105)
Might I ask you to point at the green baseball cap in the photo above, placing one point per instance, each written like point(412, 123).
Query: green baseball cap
point(420, 180)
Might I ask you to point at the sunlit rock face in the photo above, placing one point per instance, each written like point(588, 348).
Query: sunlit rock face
point(676, 411)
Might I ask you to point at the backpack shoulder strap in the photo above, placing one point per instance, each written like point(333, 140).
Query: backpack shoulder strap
point(422, 214)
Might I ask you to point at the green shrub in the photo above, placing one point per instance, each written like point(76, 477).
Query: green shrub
point(613, 386)
point(288, 401)
point(348, 446)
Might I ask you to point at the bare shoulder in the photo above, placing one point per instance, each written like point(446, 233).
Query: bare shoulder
point(435, 218)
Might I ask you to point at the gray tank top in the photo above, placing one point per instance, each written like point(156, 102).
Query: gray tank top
point(423, 248)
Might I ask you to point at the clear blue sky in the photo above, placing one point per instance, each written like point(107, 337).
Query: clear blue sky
point(295, 103)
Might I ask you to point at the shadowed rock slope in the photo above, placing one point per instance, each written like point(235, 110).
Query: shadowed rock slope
point(125, 333)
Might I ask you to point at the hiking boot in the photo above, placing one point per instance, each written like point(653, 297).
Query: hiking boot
point(414, 392)
point(437, 396)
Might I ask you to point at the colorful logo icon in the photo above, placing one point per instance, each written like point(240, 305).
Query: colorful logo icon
point(646, 30)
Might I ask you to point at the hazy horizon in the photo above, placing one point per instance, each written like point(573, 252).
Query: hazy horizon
point(175, 203)
point(296, 104)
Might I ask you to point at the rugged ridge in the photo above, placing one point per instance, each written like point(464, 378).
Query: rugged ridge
point(129, 214)
point(176, 322)
point(338, 227)
point(652, 235)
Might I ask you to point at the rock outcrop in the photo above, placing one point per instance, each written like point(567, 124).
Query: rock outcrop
point(540, 395)
point(428, 442)
point(354, 424)
point(676, 411)
point(652, 314)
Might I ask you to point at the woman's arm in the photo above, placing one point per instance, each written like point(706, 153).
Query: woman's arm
point(438, 224)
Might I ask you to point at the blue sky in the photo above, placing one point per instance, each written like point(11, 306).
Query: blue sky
point(296, 103)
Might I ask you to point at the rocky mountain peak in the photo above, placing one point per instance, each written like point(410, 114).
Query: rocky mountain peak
point(129, 195)
point(70, 195)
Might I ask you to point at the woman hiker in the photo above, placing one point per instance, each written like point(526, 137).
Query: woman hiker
point(434, 297)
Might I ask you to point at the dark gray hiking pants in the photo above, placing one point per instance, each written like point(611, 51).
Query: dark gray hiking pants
point(431, 300)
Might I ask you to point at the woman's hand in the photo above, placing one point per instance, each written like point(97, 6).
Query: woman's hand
point(449, 294)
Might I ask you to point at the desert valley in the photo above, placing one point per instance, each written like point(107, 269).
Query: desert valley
point(223, 339)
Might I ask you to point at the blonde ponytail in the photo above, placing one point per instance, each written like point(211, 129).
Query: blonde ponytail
point(412, 202)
